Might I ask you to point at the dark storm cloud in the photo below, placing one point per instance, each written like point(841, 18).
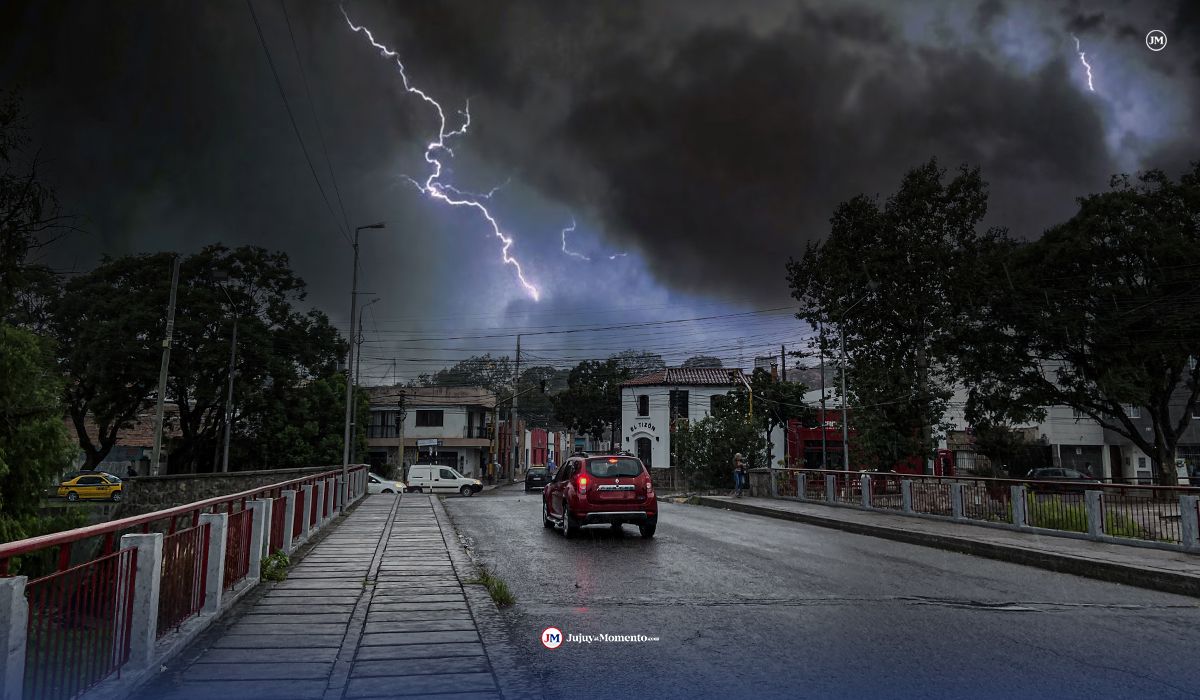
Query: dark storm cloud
point(1086, 22)
point(987, 13)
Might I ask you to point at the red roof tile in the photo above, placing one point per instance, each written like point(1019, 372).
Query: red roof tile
point(679, 376)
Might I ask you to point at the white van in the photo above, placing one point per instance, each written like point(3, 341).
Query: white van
point(434, 478)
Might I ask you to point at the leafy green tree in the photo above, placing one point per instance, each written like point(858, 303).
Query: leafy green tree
point(1100, 314)
point(34, 446)
point(702, 362)
point(892, 279)
point(299, 425)
point(776, 402)
point(29, 213)
point(591, 402)
point(109, 324)
point(278, 347)
point(639, 362)
point(704, 448)
point(535, 405)
point(493, 373)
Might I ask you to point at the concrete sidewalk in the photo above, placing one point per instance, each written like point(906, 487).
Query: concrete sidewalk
point(375, 610)
point(1158, 569)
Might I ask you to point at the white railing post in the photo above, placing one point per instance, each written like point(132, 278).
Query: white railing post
point(865, 485)
point(260, 535)
point(906, 495)
point(830, 488)
point(341, 490)
point(956, 501)
point(330, 485)
point(144, 624)
point(1095, 513)
point(1188, 522)
point(289, 518)
point(306, 516)
point(218, 527)
point(14, 626)
point(1018, 505)
point(320, 505)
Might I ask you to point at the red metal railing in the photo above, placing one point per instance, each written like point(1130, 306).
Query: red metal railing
point(277, 523)
point(184, 577)
point(312, 509)
point(298, 516)
point(237, 547)
point(79, 626)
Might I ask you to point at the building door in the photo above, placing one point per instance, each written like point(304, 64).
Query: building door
point(643, 451)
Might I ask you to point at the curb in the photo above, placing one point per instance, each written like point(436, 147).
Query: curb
point(1165, 581)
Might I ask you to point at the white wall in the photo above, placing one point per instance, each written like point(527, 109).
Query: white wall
point(657, 426)
point(454, 422)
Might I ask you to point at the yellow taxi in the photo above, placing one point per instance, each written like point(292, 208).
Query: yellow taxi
point(91, 486)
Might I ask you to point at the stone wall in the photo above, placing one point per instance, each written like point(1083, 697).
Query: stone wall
point(143, 494)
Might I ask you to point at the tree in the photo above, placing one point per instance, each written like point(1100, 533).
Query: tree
point(29, 214)
point(493, 373)
point(536, 406)
point(639, 362)
point(776, 402)
point(300, 425)
point(1100, 314)
point(34, 446)
point(109, 324)
point(702, 362)
point(704, 449)
point(591, 402)
point(892, 280)
point(278, 347)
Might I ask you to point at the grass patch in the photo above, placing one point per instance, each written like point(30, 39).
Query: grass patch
point(496, 587)
point(274, 567)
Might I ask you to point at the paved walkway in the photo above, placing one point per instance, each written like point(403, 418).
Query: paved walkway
point(1160, 569)
point(375, 610)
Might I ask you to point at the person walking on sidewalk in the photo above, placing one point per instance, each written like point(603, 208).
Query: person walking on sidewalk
point(740, 480)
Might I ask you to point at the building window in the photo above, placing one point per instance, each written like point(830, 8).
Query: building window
point(643, 406)
point(429, 419)
point(1077, 414)
point(712, 403)
point(679, 404)
point(1132, 411)
point(382, 425)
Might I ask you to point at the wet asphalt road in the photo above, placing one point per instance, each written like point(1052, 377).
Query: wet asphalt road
point(746, 606)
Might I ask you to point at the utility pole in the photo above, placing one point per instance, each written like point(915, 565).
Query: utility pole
point(512, 418)
point(821, 352)
point(358, 341)
point(229, 397)
point(162, 372)
point(783, 378)
point(350, 369)
point(845, 434)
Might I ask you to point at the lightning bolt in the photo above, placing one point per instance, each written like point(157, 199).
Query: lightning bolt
point(617, 255)
point(572, 253)
point(1083, 60)
point(432, 185)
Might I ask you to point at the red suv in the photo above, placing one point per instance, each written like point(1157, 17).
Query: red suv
point(590, 490)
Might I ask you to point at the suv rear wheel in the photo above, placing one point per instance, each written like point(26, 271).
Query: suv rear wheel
point(647, 530)
point(570, 526)
point(546, 521)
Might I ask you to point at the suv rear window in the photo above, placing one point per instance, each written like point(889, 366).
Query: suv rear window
point(614, 466)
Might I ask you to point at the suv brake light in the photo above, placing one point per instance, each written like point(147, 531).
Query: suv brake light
point(649, 489)
point(581, 483)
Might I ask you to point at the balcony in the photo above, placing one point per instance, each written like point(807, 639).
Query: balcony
point(479, 432)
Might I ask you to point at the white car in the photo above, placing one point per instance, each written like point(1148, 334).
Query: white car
point(434, 478)
point(378, 484)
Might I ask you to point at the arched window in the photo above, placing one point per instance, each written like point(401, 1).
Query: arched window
point(643, 450)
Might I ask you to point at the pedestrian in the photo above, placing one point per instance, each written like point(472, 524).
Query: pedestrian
point(491, 472)
point(739, 475)
point(551, 467)
point(131, 471)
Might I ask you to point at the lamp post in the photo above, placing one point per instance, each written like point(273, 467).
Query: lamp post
point(358, 341)
point(350, 365)
point(401, 415)
point(842, 347)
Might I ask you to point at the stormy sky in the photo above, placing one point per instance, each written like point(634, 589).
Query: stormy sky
point(695, 144)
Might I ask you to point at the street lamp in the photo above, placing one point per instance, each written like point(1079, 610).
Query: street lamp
point(358, 341)
point(350, 365)
point(842, 344)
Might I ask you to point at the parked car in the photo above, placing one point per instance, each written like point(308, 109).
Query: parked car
point(1056, 479)
point(613, 489)
point(378, 484)
point(91, 486)
point(434, 478)
point(536, 478)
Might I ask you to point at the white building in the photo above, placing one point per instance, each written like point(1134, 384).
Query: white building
point(649, 403)
point(442, 425)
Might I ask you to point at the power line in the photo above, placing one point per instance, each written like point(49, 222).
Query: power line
point(291, 117)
